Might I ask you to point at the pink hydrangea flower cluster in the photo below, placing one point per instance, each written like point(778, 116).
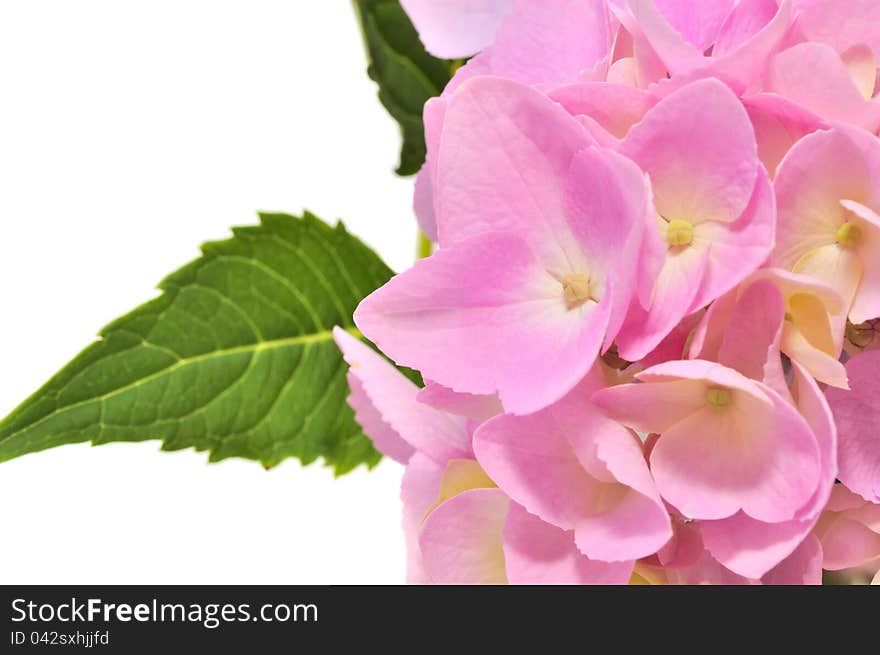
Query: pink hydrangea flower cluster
point(648, 331)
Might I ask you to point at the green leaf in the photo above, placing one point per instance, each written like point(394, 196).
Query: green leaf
point(406, 74)
point(236, 357)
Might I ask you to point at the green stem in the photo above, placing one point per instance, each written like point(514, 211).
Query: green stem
point(424, 246)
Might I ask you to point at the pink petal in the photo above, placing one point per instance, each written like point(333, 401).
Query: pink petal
point(751, 340)
point(461, 540)
point(744, 22)
point(698, 22)
point(847, 543)
point(608, 205)
point(671, 47)
point(615, 107)
point(551, 41)
point(393, 397)
point(539, 553)
point(419, 490)
point(479, 408)
point(841, 23)
point(698, 147)
point(651, 408)
point(802, 567)
point(383, 436)
point(862, 66)
point(813, 75)
point(577, 470)
point(423, 203)
point(456, 28)
point(504, 155)
point(857, 413)
point(779, 124)
point(485, 317)
point(866, 304)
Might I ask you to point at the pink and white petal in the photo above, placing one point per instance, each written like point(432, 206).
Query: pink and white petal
point(779, 123)
point(821, 365)
point(862, 66)
point(715, 463)
point(813, 75)
point(698, 147)
point(478, 408)
point(707, 372)
point(738, 248)
point(678, 55)
point(485, 317)
point(802, 567)
point(419, 491)
point(393, 396)
point(461, 540)
point(847, 543)
point(857, 414)
point(698, 22)
point(608, 203)
point(503, 159)
point(616, 107)
point(451, 29)
point(808, 198)
point(838, 266)
point(552, 41)
point(842, 499)
point(751, 339)
point(386, 440)
point(539, 553)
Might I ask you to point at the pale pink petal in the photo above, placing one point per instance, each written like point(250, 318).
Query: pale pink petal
point(678, 55)
point(456, 28)
point(419, 490)
point(539, 553)
point(744, 22)
point(708, 571)
point(841, 23)
point(652, 407)
point(393, 396)
point(552, 41)
point(615, 107)
point(813, 75)
point(751, 339)
point(779, 123)
point(485, 317)
point(698, 147)
point(709, 334)
point(857, 413)
point(504, 155)
point(697, 21)
point(423, 203)
point(383, 436)
point(847, 543)
point(479, 408)
point(876, 580)
point(866, 304)
point(675, 344)
point(461, 540)
point(802, 567)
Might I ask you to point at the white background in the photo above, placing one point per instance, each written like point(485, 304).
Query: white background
point(131, 132)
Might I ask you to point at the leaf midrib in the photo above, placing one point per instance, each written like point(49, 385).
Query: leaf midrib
point(254, 348)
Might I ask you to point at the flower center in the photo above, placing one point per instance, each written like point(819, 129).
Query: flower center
point(679, 233)
point(577, 289)
point(718, 397)
point(849, 235)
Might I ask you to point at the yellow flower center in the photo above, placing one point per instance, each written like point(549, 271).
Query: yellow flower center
point(849, 235)
point(577, 289)
point(679, 233)
point(718, 397)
